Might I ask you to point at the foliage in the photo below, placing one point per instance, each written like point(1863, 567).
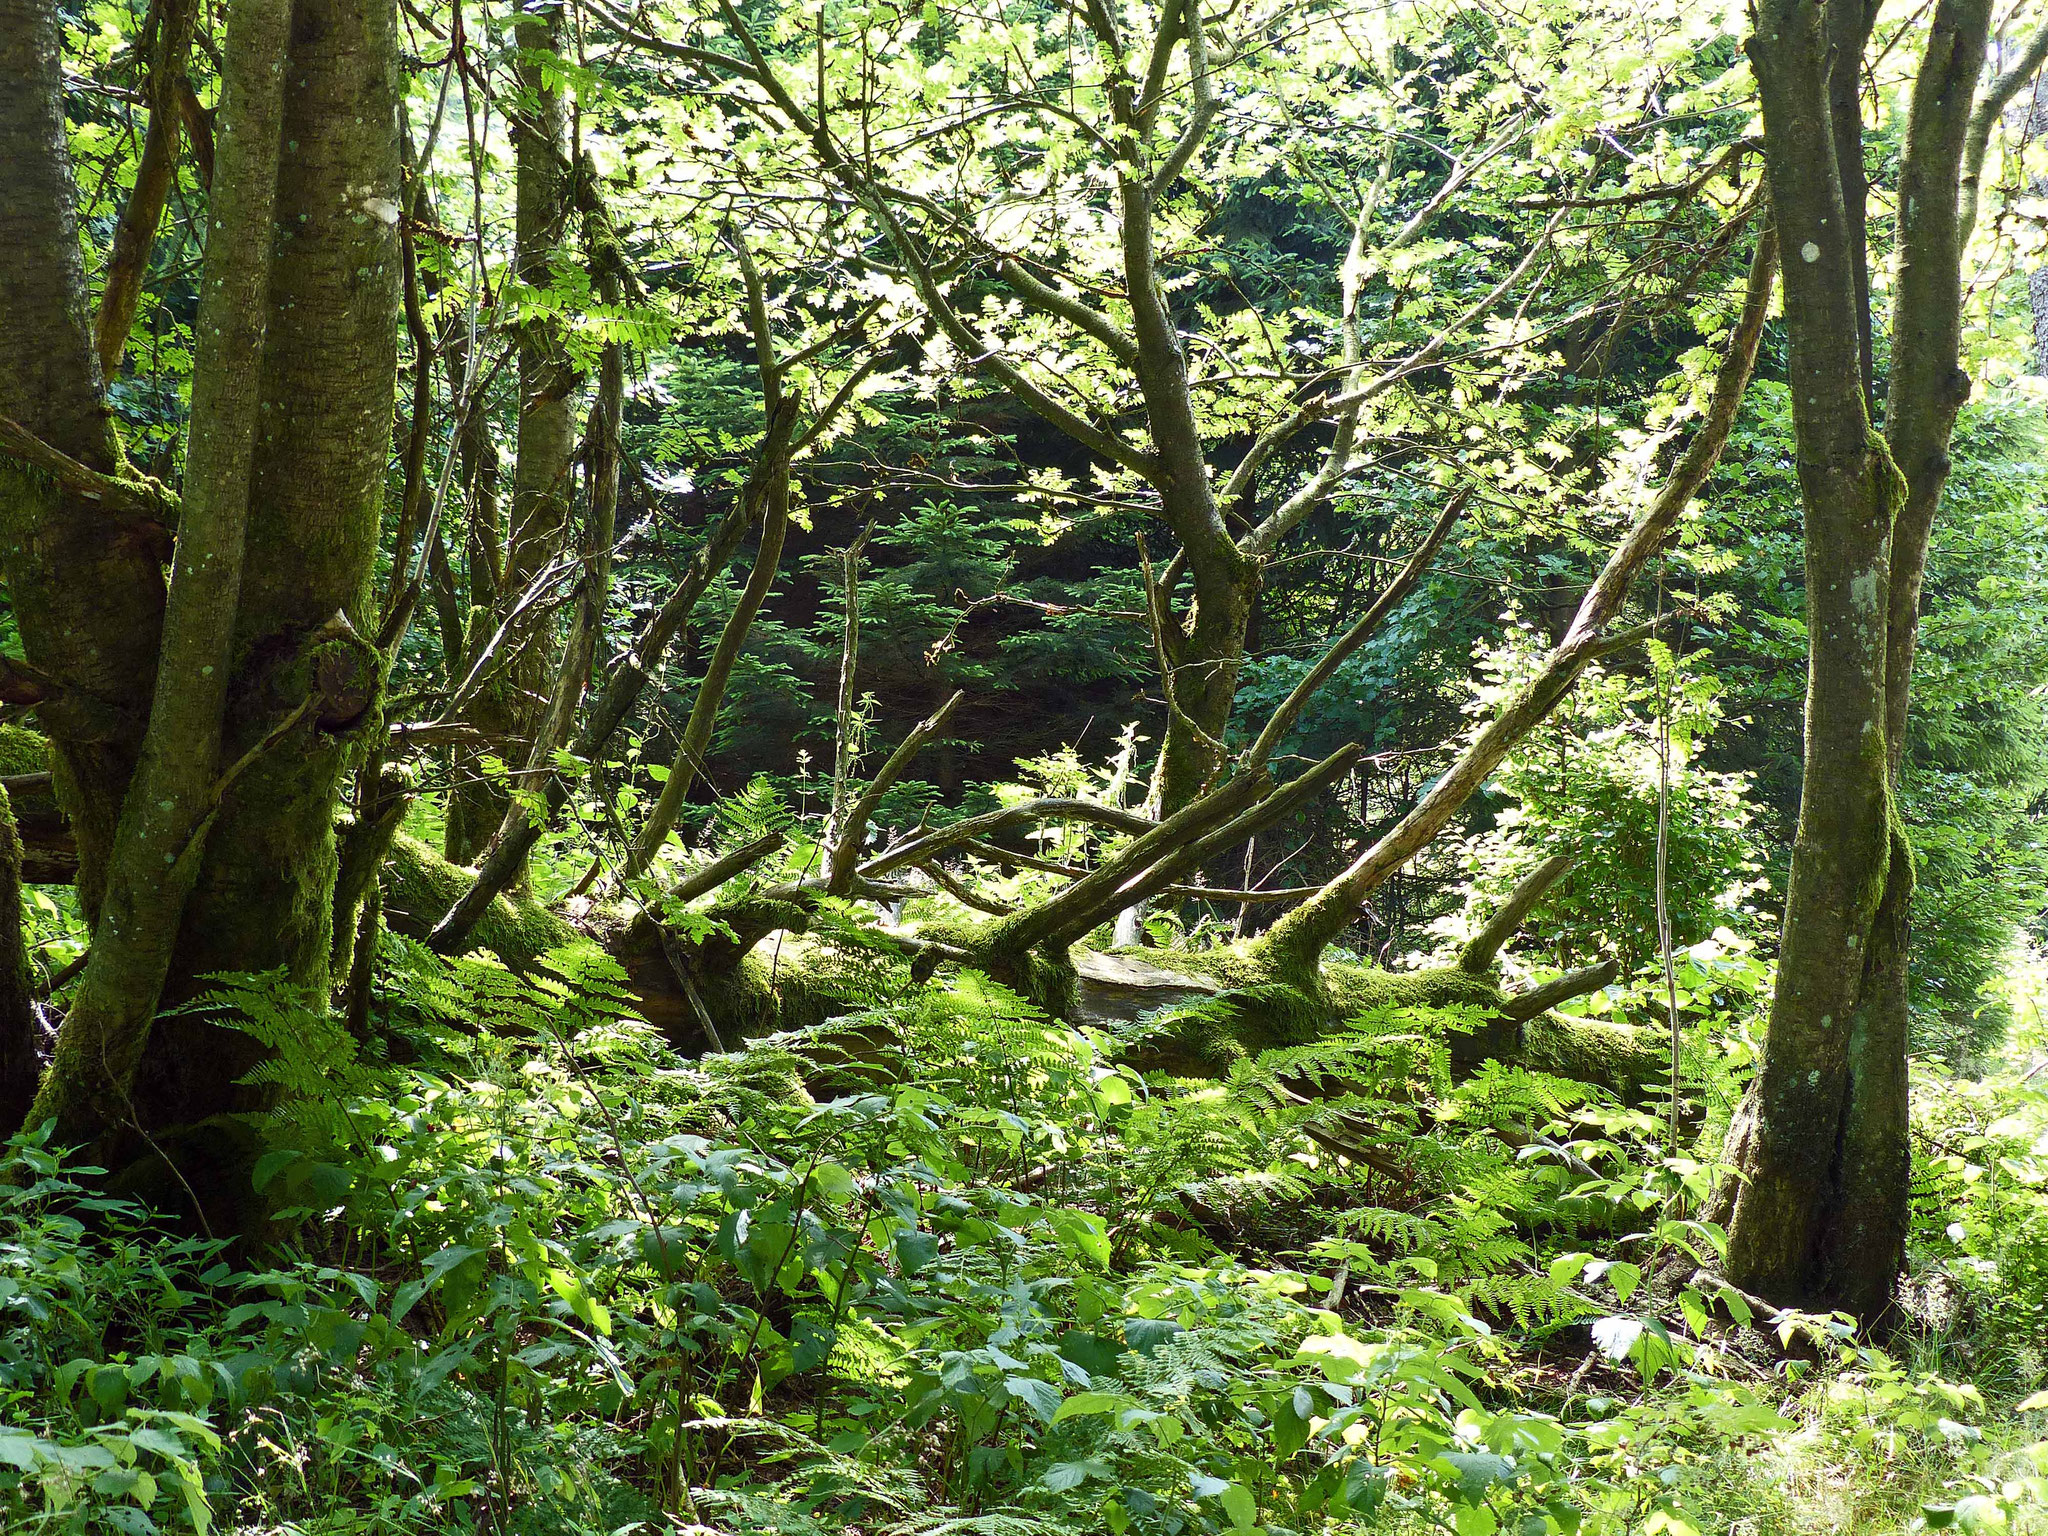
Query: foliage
point(941, 1265)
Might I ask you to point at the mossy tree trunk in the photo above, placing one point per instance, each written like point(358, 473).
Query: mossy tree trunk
point(255, 685)
point(1818, 1216)
point(510, 707)
point(85, 577)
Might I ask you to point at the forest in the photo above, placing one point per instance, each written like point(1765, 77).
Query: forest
point(1023, 767)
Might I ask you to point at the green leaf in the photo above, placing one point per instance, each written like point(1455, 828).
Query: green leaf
point(1477, 1471)
point(1041, 1397)
point(1238, 1503)
point(570, 1288)
point(1084, 1404)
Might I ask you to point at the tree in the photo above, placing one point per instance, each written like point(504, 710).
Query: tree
point(201, 717)
point(1053, 222)
point(1817, 1213)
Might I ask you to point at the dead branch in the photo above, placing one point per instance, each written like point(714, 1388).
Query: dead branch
point(1485, 946)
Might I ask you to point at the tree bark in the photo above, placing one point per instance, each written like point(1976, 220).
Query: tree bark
point(85, 579)
point(303, 695)
point(1818, 1217)
point(511, 707)
point(170, 40)
point(169, 806)
point(21, 1031)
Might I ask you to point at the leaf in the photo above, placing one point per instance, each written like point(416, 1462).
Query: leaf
point(1145, 1334)
point(1616, 1336)
point(1041, 1397)
point(570, 1288)
point(1090, 1351)
point(1083, 1404)
point(1478, 1471)
point(18, 1449)
point(1084, 1232)
point(1624, 1278)
point(1238, 1503)
point(916, 1250)
point(2030, 1404)
point(271, 1164)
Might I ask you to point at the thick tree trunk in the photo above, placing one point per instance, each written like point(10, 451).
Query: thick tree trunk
point(1818, 1217)
point(306, 683)
point(161, 835)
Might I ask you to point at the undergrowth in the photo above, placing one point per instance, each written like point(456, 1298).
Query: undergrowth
point(945, 1266)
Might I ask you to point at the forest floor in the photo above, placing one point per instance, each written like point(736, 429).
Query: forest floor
point(946, 1268)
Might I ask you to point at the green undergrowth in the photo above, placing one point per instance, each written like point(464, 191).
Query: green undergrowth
point(945, 1265)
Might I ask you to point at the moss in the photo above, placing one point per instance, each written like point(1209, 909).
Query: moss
point(1619, 1057)
point(23, 751)
point(1269, 1001)
point(419, 886)
point(1261, 1004)
point(787, 982)
point(1042, 974)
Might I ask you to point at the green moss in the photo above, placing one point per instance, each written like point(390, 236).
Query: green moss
point(1619, 1057)
point(419, 887)
point(1042, 974)
point(1268, 1001)
point(23, 751)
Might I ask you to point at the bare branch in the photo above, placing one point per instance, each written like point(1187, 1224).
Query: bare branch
point(846, 837)
point(1363, 630)
point(1537, 1001)
point(1484, 947)
point(698, 881)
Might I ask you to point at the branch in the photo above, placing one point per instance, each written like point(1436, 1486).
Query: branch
point(722, 869)
point(1177, 863)
point(1484, 947)
point(974, 828)
point(1538, 1001)
point(1204, 112)
point(1360, 632)
point(1097, 893)
point(1983, 118)
point(847, 837)
point(1085, 317)
point(141, 497)
point(1307, 930)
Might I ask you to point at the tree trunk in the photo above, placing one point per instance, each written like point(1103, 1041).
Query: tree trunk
point(1818, 1217)
point(85, 579)
point(169, 805)
point(304, 695)
point(510, 708)
point(21, 1029)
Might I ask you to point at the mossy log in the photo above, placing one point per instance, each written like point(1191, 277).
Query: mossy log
point(1272, 1005)
point(766, 975)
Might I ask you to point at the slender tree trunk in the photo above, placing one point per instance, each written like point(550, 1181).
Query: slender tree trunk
point(511, 708)
point(20, 1029)
point(169, 41)
point(85, 579)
